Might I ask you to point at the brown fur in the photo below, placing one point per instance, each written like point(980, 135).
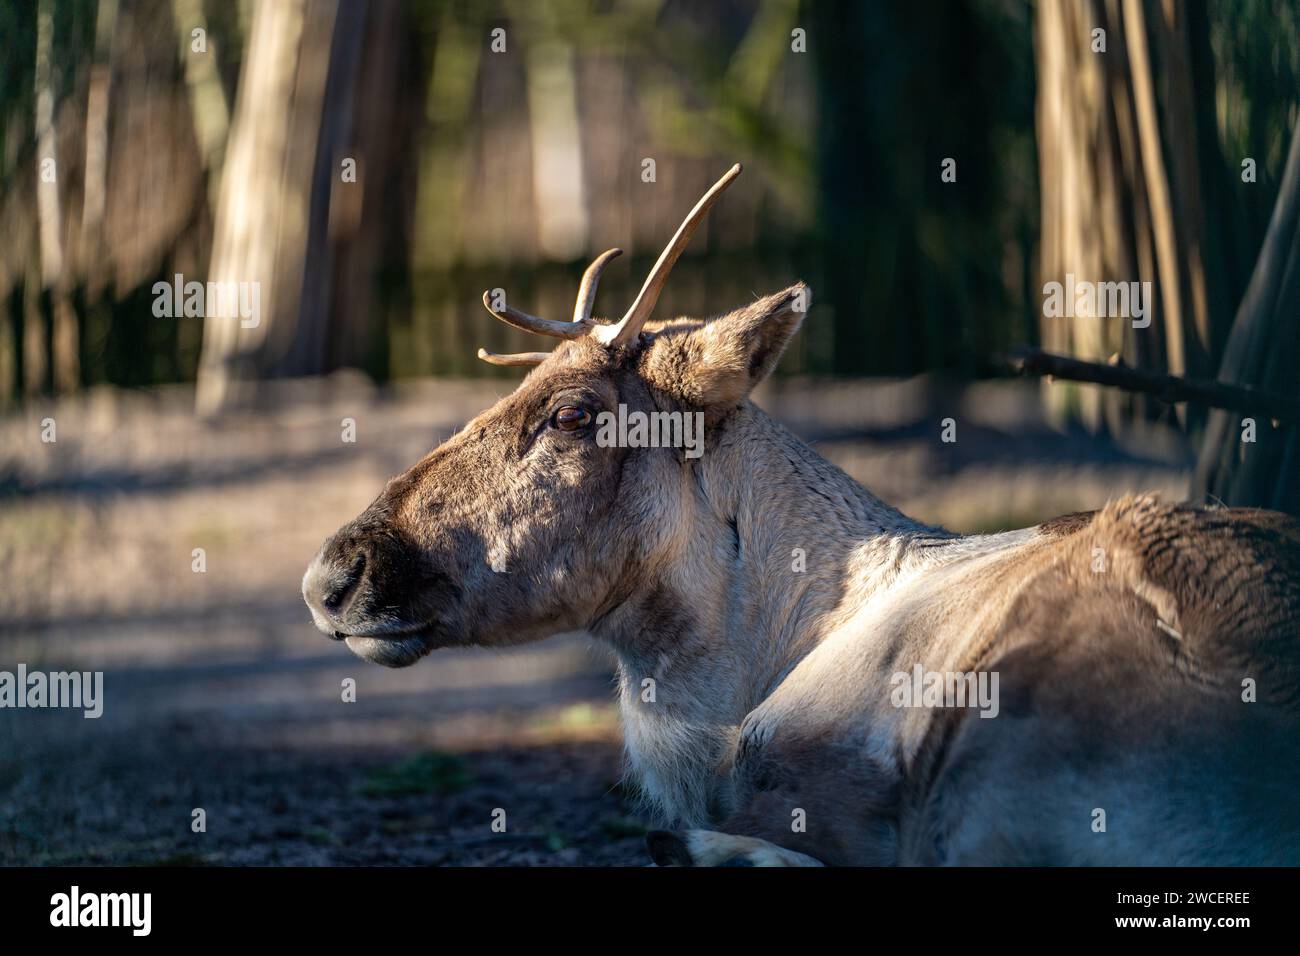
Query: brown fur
point(1138, 669)
point(1067, 524)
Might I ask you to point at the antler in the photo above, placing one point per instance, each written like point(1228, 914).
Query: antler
point(587, 291)
point(531, 323)
point(580, 326)
point(513, 358)
point(630, 325)
point(627, 328)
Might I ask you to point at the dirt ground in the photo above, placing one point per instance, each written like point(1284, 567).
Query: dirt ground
point(220, 697)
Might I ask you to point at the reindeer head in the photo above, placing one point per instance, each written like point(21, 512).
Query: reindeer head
point(524, 524)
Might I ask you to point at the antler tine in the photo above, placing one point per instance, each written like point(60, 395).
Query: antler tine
point(630, 325)
point(587, 291)
point(531, 323)
point(579, 327)
point(516, 358)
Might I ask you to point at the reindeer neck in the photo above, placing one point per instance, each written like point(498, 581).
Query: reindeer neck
point(782, 545)
point(806, 540)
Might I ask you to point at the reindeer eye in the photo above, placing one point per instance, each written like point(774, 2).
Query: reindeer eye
point(570, 418)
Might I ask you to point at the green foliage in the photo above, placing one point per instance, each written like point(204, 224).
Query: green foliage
point(1256, 47)
point(1256, 54)
point(922, 273)
point(432, 773)
point(621, 828)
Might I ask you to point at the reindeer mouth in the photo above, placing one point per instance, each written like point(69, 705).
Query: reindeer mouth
point(390, 650)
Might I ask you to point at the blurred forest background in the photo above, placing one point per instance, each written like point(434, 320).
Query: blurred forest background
point(504, 143)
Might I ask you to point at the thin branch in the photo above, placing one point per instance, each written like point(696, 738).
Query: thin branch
point(1168, 388)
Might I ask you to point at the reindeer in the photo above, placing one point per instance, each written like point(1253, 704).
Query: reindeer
point(1146, 654)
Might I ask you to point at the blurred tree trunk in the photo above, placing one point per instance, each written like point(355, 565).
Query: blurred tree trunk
point(361, 224)
point(370, 222)
point(1120, 188)
point(8, 355)
point(263, 210)
point(319, 86)
point(301, 348)
point(1263, 350)
point(54, 272)
point(95, 179)
point(35, 363)
point(207, 96)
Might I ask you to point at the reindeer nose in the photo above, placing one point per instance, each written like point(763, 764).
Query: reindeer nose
point(328, 586)
point(333, 597)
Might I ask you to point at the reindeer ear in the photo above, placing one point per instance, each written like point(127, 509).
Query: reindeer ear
point(719, 362)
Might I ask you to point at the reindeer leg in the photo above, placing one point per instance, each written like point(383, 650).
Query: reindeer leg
point(714, 848)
